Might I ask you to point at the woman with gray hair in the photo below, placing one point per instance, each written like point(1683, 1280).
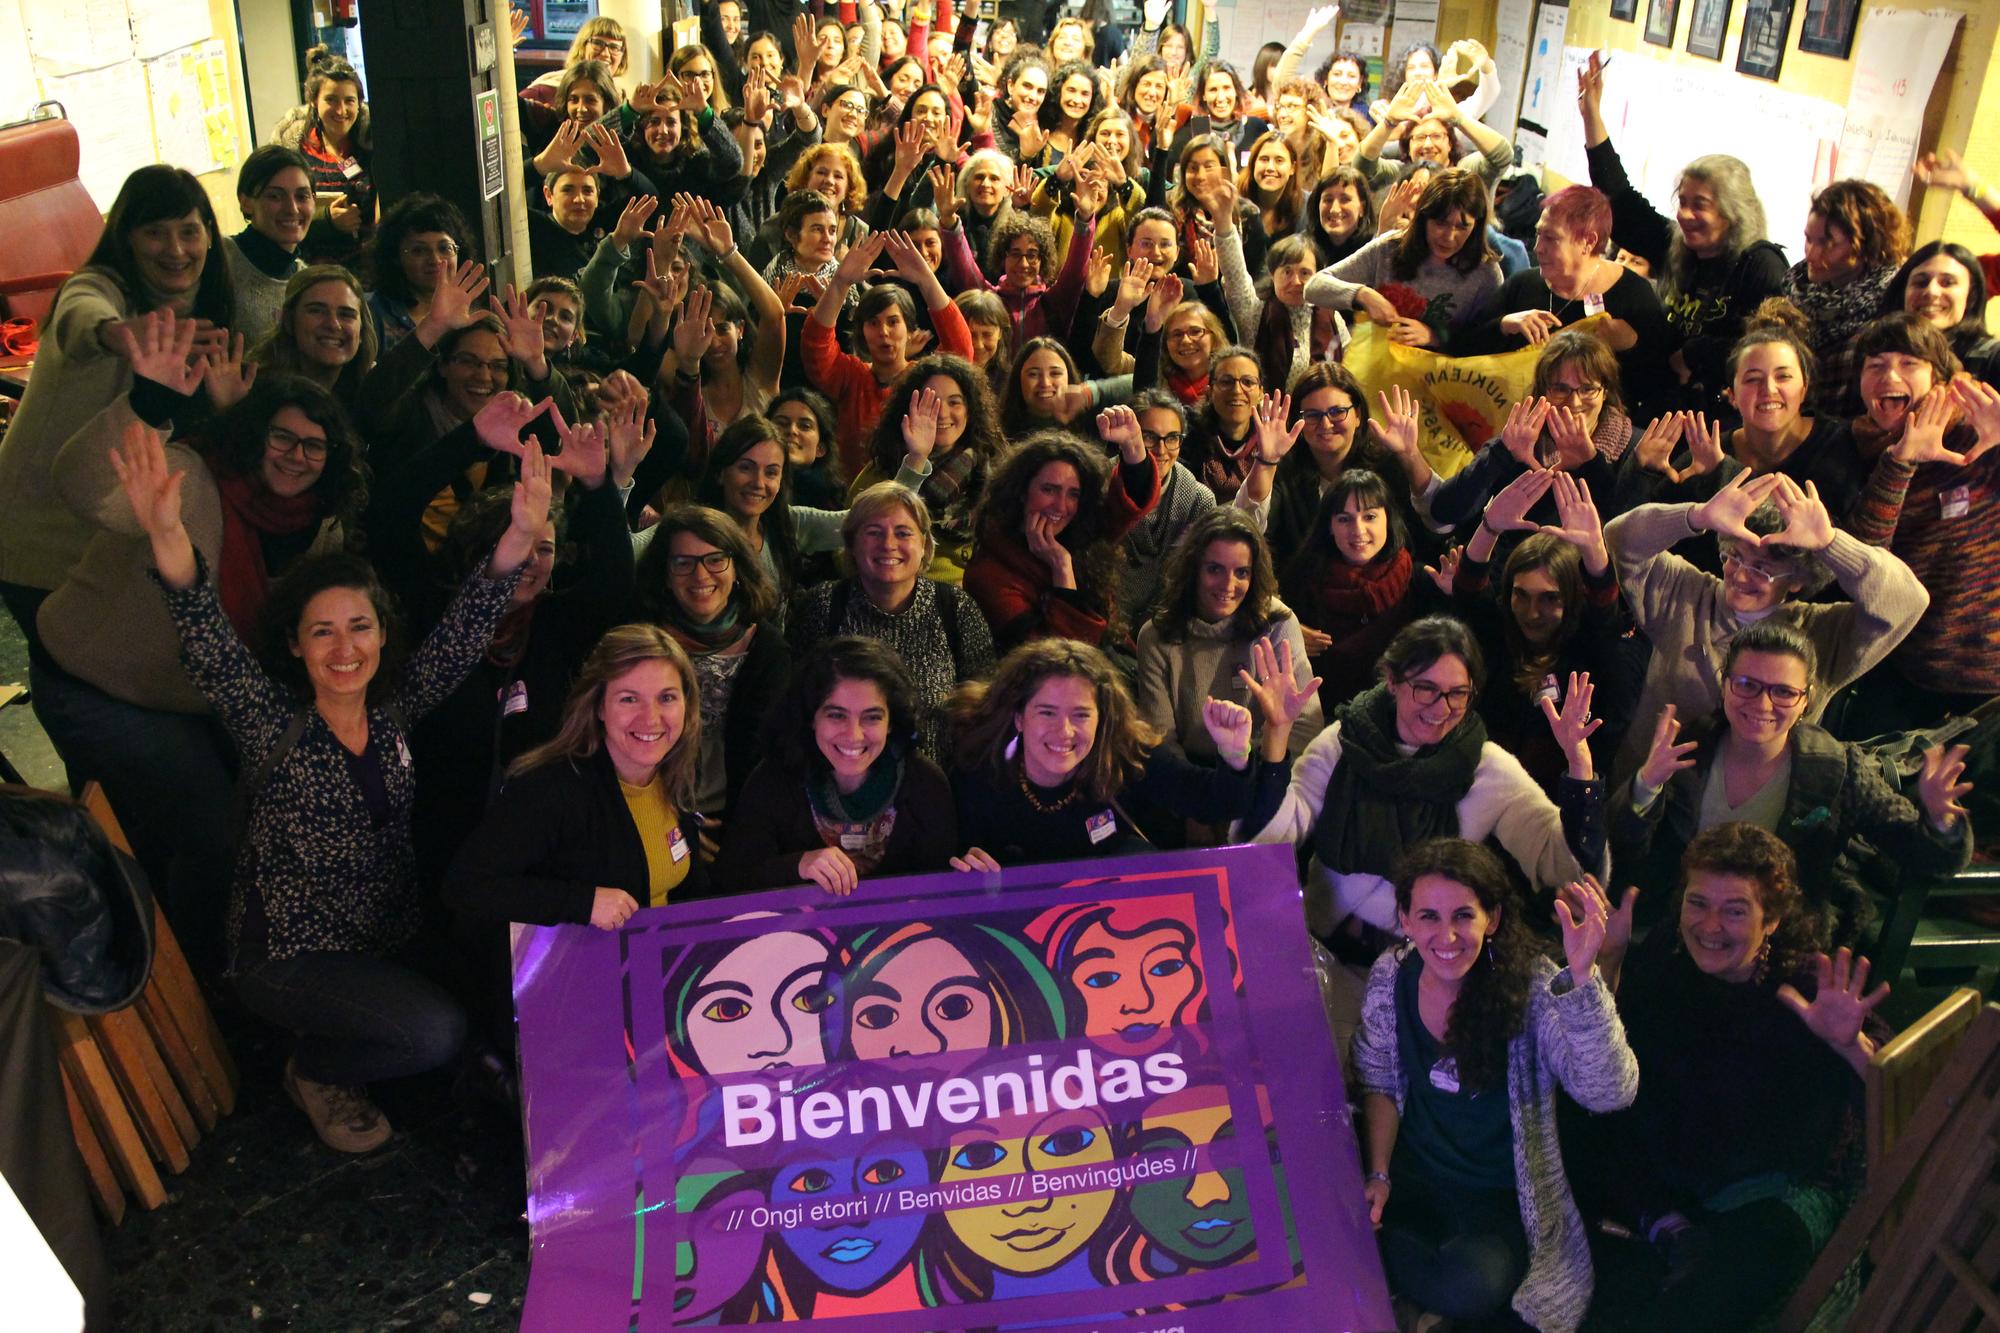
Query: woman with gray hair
point(1778, 545)
point(936, 628)
point(1711, 259)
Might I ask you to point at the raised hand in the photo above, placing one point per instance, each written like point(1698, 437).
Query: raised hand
point(1396, 426)
point(831, 869)
point(920, 424)
point(160, 348)
point(1923, 433)
point(1726, 512)
point(1704, 442)
point(1167, 293)
point(1569, 432)
point(1090, 195)
point(1157, 11)
point(1590, 85)
point(1508, 510)
point(1654, 449)
point(805, 44)
point(1228, 725)
point(1584, 913)
point(910, 148)
point(1941, 788)
point(632, 221)
point(1134, 285)
point(797, 291)
point(1522, 435)
point(914, 343)
point(154, 491)
point(1576, 518)
point(1445, 572)
point(610, 149)
point(944, 184)
point(1273, 439)
point(1221, 204)
point(1274, 687)
point(1204, 265)
point(610, 908)
point(1028, 131)
point(1808, 527)
point(583, 454)
point(1981, 404)
point(1667, 755)
point(859, 259)
point(561, 153)
point(1839, 1006)
point(1573, 726)
point(521, 334)
point(756, 96)
point(228, 375)
point(528, 516)
point(709, 225)
point(1398, 206)
point(696, 329)
point(1025, 180)
point(452, 301)
point(1944, 170)
point(629, 431)
point(1119, 426)
point(506, 414)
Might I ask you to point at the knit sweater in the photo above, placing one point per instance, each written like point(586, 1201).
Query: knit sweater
point(1570, 1038)
point(1836, 313)
point(1955, 552)
point(1682, 610)
point(1456, 298)
point(1177, 678)
point(260, 293)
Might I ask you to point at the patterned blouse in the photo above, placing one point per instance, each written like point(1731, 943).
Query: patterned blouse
point(317, 870)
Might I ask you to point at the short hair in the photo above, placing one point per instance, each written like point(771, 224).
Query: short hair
point(1579, 347)
point(878, 500)
point(1580, 210)
point(1904, 334)
point(1870, 218)
point(802, 170)
point(262, 167)
point(1422, 643)
point(883, 296)
point(788, 734)
point(1010, 228)
point(561, 286)
point(798, 206)
point(1776, 637)
point(412, 215)
point(1766, 862)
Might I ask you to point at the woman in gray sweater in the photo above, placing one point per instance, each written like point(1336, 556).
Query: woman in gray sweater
point(1466, 1034)
point(1428, 280)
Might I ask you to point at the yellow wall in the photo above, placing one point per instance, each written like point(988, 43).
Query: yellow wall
point(1967, 93)
point(221, 185)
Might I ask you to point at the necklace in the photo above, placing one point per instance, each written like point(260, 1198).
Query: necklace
point(1041, 807)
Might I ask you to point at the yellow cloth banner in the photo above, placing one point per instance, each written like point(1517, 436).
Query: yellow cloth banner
point(1462, 401)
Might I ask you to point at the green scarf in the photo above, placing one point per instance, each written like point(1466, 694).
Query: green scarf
point(1380, 801)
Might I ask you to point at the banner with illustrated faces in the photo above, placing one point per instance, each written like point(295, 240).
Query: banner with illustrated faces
point(1100, 1095)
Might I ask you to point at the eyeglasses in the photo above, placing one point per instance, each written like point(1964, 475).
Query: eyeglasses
point(1155, 440)
point(1758, 572)
point(714, 562)
point(1326, 416)
point(702, 74)
point(467, 361)
point(445, 250)
point(1747, 688)
point(1564, 393)
point(605, 44)
point(1244, 382)
point(852, 108)
point(1425, 694)
point(281, 442)
point(1033, 257)
point(1194, 333)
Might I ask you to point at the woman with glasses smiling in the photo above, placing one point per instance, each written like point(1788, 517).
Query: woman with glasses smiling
point(1778, 544)
point(1761, 763)
point(601, 39)
point(1410, 760)
point(419, 244)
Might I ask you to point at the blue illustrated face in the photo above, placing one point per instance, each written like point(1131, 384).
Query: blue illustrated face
point(852, 1255)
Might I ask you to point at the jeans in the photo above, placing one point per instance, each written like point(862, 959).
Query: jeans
point(170, 778)
point(359, 1018)
point(1460, 1255)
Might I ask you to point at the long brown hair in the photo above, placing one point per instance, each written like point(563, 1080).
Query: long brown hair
point(581, 734)
point(1449, 189)
point(982, 714)
point(1179, 583)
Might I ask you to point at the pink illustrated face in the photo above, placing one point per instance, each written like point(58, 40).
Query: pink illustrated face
point(760, 1006)
point(1135, 990)
point(925, 1000)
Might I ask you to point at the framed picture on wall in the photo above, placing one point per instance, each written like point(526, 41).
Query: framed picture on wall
point(1661, 16)
point(1624, 10)
point(1828, 29)
point(1708, 28)
point(1762, 48)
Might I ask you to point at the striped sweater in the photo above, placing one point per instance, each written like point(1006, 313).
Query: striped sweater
point(1952, 542)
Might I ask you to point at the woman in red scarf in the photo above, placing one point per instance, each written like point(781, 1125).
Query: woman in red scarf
point(273, 477)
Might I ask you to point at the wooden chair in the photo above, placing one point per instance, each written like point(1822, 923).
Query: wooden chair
point(145, 1082)
point(1901, 1075)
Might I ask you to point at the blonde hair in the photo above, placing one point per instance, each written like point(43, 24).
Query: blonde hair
point(581, 734)
point(599, 27)
point(878, 500)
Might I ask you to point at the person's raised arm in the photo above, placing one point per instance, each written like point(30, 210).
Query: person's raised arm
point(853, 267)
point(1273, 441)
point(140, 462)
point(1839, 1007)
point(1590, 100)
point(711, 229)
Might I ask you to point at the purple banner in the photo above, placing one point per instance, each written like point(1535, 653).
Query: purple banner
point(1089, 1096)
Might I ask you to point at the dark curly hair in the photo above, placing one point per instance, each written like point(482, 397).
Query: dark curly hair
point(788, 733)
point(1179, 581)
point(1051, 112)
point(982, 424)
point(1764, 860)
point(1493, 998)
point(412, 215)
point(278, 623)
point(1010, 228)
point(235, 442)
point(1003, 511)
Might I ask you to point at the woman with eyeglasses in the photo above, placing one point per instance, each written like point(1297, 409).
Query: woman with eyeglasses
point(274, 478)
point(420, 243)
point(1410, 759)
point(601, 39)
point(1762, 763)
point(1778, 544)
point(1163, 425)
point(700, 581)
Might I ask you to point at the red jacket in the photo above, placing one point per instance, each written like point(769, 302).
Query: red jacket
point(1012, 585)
point(857, 395)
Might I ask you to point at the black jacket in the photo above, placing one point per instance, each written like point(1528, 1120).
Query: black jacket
point(552, 838)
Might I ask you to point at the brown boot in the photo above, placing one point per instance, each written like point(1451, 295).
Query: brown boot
point(343, 1117)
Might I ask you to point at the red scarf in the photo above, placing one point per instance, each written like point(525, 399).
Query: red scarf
point(250, 512)
point(1191, 390)
point(1355, 591)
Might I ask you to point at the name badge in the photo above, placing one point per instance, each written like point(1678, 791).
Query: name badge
point(853, 838)
point(1100, 826)
point(514, 698)
point(403, 751)
point(677, 845)
point(1549, 690)
point(1444, 1074)
point(1956, 502)
point(1593, 304)
point(350, 168)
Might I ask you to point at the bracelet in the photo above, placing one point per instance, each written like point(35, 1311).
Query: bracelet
point(1382, 1176)
point(1488, 528)
point(1261, 461)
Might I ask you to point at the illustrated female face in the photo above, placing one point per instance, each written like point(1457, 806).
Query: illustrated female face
point(1891, 384)
point(1044, 381)
point(1030, 86)
point(283, 209)
point(926, 999)
point(1040, 1235)
point(1076, 95)
point(1058, 728)
point(1271, 169)
point(1360, 530)
point(1433, 701)
point(339, 641)
point(1448, 233)
point(1447, 925)
point(1343, 82)
point(1340, 210)
point(1535, 602)
point(750, 484)
point(1723, 926)
point(1761, 719)
point(1150, 91)
point(712, 1263)
point(1135, 991)
point(643, 713)
point(800, 429)
point(1202, 1220)
point(171, 254)
point(327, 325)
point(853, 1256)
point(1189, 343)
point(662, 132)
point(474, 372)
point(1218, 94)
point(703, 593)
point(1769, 388)
point(759, 1007)
point(1937, 290)
point(1330, 421)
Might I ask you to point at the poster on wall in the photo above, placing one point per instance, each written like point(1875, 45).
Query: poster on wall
point(1062, 1101)
point(1760, 52)
point(1709, 27)
point(1895, 70)
point(194, 122)
point(1513, 41)
point(1661, 17)
point(1543, 100)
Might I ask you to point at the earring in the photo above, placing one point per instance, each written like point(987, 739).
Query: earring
point(1763, 963)
point(1013, 747)
point(1492, 954)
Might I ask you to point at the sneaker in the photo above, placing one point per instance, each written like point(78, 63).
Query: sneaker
point(343, 1117)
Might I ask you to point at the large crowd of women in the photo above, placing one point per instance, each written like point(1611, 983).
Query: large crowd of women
point(918, 441)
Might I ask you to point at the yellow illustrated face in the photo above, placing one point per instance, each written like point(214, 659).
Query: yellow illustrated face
point(1031, 1235)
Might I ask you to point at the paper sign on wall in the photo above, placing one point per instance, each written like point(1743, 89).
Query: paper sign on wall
point(1896, 60)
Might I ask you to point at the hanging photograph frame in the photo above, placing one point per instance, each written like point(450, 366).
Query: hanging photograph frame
point(1708, 28)
point(1662, 17)
point(1760, 52)
point(1828, 29)
point(1624, 10)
